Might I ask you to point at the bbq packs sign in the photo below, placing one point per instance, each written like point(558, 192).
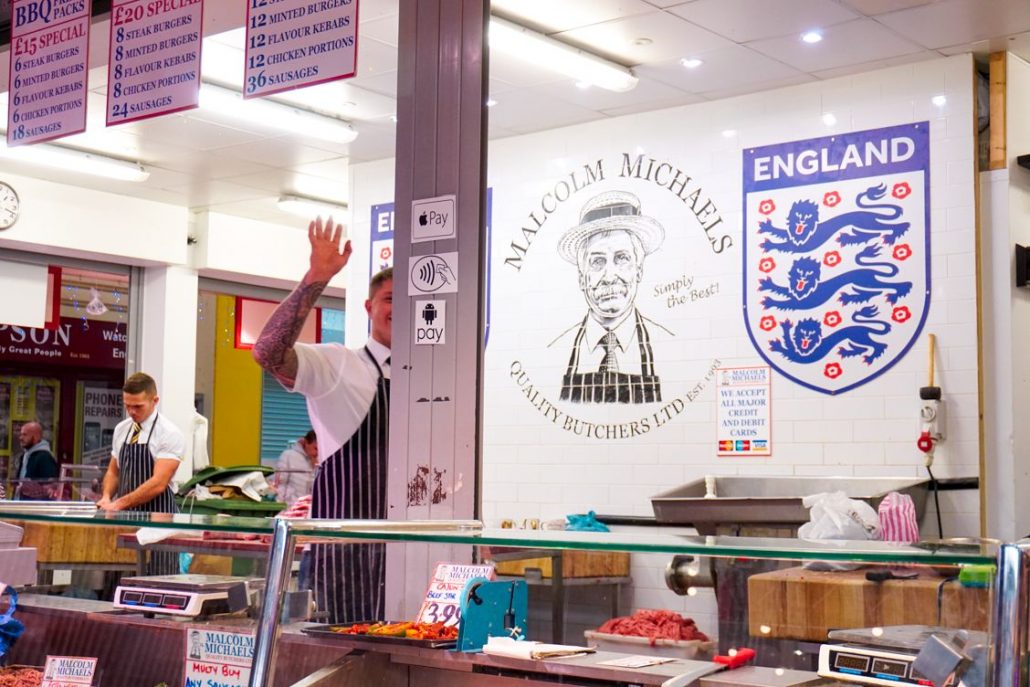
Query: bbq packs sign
point(615, 271)
point(836, 260)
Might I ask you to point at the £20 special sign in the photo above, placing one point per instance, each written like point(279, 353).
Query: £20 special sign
point(837, 253)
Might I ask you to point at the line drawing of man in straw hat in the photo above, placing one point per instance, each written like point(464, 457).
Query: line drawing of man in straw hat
point(612, 360)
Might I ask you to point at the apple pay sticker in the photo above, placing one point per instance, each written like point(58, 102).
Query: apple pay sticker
point(432, 219)
point(430, 322)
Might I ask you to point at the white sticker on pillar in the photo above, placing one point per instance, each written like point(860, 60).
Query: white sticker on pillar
point(432, 219)
point(435, 273)
point(430, 322)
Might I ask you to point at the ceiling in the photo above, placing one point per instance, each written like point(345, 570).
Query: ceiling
point(206, 161)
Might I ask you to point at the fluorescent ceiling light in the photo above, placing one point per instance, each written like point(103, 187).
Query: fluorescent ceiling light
point(812, 36)
point(691, 62)
point(309, 208)
point(547, 53)
point(78, 161)
point(265, 112)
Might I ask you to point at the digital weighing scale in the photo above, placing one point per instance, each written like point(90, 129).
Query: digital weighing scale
point(185, 595)
point(882, 655)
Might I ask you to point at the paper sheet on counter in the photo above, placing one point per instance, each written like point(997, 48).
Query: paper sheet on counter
point(508, 647)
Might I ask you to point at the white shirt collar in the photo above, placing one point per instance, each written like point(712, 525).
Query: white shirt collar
point(149, 422)
point(378, 351)
point(625, 332)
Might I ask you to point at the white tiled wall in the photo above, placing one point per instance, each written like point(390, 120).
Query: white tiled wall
point(534, 469)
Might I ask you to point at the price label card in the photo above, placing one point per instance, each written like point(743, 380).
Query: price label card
point(218, 658)
point(297, 43)
point(68, 671)
point(49, 57)
point(154, 62)
point(443, 598)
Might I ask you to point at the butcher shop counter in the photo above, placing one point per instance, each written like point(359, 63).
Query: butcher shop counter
point(123, 642)
point(145, 648)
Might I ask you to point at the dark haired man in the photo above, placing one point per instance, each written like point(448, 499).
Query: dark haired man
point(145, 452)
point(348, 396)
point(295, 470)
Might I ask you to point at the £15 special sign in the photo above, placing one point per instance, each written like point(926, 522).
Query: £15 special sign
point(837, 253)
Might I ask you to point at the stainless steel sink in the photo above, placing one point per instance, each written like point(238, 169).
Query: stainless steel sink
point(771, 501)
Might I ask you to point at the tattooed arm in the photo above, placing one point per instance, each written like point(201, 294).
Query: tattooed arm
point(273, 349)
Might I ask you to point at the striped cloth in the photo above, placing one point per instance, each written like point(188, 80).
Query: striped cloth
point(898, 520)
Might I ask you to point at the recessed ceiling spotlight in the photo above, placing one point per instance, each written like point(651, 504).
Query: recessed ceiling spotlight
point(582, 85)
point(829, 119)
point(393, 118)
point(643, 41)
point(691, 62)
point(490, 102)
point(812, 36)
point(729, 133)
point(939, 100)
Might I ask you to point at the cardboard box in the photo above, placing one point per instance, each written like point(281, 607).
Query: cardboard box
point(574, 564)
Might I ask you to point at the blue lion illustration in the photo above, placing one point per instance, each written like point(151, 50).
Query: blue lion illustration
point(807, 345)
point(805, 232)
point(805, 288)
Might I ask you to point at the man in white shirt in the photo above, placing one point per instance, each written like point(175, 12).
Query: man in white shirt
point(348, 398)
point(295, 471)
point(145, 453)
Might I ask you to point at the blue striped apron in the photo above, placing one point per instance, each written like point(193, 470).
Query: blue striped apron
point(136, 466)
point(349, 579)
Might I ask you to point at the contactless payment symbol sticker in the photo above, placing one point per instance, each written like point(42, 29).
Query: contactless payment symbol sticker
point(434, 273)
point(430, 322)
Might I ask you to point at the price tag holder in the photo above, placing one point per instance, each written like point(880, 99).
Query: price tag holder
point(68, 671)
point(442, 603)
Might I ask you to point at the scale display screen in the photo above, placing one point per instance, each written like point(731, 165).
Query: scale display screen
point(176, 601)
point(850, 662)
point(132, 598)
point(893, 668)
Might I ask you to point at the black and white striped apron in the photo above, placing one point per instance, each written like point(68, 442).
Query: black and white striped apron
point(136, 466)
point(349, 579)
point(612, 387)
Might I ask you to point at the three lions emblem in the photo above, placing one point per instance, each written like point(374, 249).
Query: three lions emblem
point(837, 253)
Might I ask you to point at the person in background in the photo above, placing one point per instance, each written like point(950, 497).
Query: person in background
point(348, 397)
point(145, 453)
point(295, 471)
point(37, 463)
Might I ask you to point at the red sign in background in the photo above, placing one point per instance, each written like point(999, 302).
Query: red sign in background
point(74, 342)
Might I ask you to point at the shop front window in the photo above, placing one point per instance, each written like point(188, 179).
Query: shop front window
point(63, 381)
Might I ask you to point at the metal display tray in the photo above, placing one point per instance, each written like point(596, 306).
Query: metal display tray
point(327, 631)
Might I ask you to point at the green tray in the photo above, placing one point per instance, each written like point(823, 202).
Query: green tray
point(239, 507)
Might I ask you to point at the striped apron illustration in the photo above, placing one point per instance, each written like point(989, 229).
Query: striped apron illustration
point(607, 384)
point(349, 579)
point(135, 467)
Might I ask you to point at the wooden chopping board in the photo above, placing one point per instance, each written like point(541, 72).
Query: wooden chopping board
point(795, 603)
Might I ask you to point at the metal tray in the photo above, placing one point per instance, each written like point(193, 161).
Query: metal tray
point(771, 500)
point(327, 631)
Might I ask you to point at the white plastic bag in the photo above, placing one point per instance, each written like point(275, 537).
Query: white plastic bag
point(835, 516)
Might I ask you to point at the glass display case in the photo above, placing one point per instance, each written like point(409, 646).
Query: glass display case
point(300, 602)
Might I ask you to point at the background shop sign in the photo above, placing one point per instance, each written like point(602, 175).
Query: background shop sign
point(102, 410)
point(92, 344)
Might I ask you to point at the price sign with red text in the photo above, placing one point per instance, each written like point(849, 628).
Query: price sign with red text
point(443, 598)
point(49, 58)
point(154, 62)
point(68, 671)
point(218, 658)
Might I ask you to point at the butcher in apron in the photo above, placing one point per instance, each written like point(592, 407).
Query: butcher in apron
point(146, 451)
point(348, 398)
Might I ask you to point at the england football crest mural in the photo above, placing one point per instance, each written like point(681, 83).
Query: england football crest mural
point(837, 253)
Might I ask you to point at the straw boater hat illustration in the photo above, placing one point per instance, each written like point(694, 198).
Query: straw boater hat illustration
point(608, 212)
